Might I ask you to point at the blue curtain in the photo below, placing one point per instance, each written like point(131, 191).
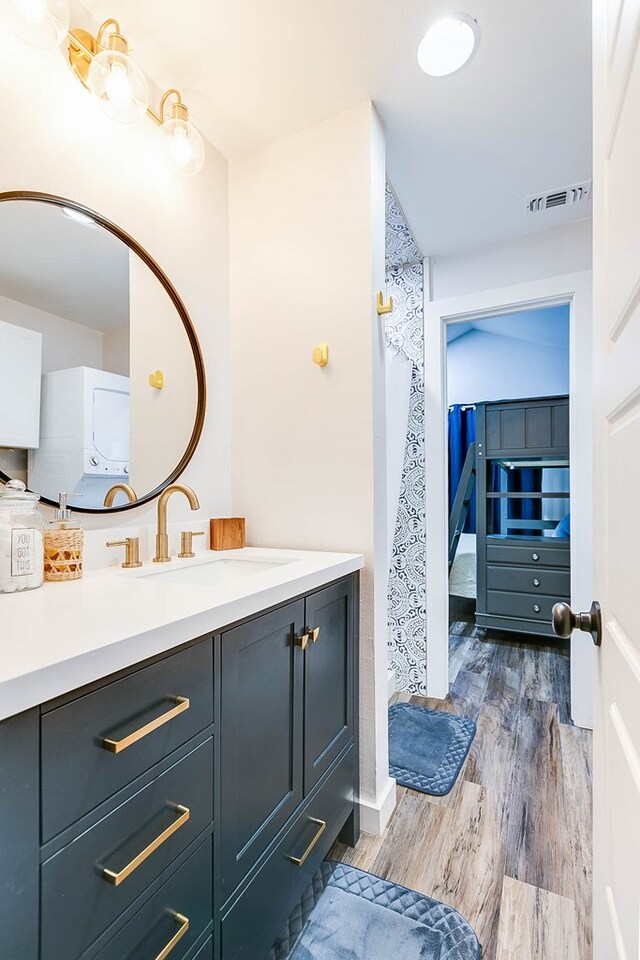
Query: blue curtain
point(462, 432)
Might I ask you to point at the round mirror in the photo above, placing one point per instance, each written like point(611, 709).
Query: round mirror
point(102, 384)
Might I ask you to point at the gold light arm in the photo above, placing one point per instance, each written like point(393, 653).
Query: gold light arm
point(117, 877)
point(117, 746)
point(179, 934)
point(102, 29)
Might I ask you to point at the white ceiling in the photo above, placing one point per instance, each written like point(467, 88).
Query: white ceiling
point(463, 151)
point(73, 270)
point(548, 327)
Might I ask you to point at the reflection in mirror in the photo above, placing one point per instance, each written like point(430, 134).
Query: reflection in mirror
point(84, 323)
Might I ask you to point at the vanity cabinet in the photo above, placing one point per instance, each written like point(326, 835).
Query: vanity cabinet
point(181, 807)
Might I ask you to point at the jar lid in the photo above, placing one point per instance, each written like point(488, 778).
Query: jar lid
point(16, 491)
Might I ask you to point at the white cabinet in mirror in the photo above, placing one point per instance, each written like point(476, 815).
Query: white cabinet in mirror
point(87, 318)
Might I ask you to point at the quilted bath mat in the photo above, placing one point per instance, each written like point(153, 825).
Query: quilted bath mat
point(347, 914)
point(427, 747)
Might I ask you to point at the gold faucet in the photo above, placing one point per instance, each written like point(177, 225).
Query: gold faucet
point(120, 488)
point(162, 538)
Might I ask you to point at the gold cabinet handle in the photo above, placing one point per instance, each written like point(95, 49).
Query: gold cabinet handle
point(322, 826)
point(315, 634)
point(117, 877)
point(183, 926)
point(303, 641)
point(117, 746)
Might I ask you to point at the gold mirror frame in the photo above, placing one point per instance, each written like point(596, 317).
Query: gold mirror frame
point(186, 322)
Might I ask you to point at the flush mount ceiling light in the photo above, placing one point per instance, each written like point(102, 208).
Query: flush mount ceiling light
point(78, 217)
point(104, 65)
point(448, 44)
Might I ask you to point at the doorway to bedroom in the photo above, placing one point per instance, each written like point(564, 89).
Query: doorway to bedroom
point(508, 472)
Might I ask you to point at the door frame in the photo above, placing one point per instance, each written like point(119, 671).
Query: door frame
point(574, 289)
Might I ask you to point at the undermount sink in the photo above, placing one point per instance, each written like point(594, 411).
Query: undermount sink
point(210, 572)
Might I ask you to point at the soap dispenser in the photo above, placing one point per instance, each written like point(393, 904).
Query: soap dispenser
point(63, 543)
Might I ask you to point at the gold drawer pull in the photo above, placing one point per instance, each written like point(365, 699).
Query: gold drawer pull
point(322, 826)
point(116, 878)
point(178, 935)
point(315, 634)
point(302, 641)
point(117, 746)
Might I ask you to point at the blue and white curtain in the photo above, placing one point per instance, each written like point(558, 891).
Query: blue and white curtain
point(405, 335)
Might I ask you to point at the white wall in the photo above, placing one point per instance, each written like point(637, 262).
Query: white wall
point(158, 341)
point(307, 254)
point(484, 366)
point(562, 250)
point(57, 140)
point(115, 350)
point(64, 343)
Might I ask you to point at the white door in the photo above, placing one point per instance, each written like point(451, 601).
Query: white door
point(616, 55)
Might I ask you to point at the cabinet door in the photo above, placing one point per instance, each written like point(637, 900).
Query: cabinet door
point(260, 736)
point(329, 678)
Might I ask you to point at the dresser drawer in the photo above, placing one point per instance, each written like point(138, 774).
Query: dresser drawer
point(88, 884)
point(523, 606)
point(255, 920)
point(531, 579)
point(95, 745)
point(178, 913)
point(524, 556)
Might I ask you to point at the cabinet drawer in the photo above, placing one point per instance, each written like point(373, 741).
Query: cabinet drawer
point(79, 899)
point(523, 606)
point(80, 770)
point(525, 556)
point(255, 921)
point(531, 579)
point(188, 894)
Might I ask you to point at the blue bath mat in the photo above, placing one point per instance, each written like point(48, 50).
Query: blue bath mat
point(347, 914)
point(427, 747)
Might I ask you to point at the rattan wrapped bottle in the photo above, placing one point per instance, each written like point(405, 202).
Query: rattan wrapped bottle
point(63, 544)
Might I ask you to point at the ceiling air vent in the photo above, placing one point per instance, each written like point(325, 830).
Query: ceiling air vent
point(567, 197)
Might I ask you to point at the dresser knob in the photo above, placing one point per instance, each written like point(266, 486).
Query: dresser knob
point(535, 556)
point(536, 582)
point(536, 608)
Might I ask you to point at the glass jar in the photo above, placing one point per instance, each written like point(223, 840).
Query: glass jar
point(21, 539)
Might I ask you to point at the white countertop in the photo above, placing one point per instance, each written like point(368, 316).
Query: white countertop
point(64, 635)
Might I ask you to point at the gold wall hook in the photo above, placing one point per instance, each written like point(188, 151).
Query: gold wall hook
point(320, 354)
point(381, 306)
point(156, 380)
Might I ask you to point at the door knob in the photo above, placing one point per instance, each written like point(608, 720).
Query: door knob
point(565, 620)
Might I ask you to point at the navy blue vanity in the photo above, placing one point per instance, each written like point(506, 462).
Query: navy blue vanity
point(180, 807)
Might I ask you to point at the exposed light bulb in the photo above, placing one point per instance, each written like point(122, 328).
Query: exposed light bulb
point(179, 147)
point(41, 23)
point(185, 148)
point(33, 10)
point(117, 86)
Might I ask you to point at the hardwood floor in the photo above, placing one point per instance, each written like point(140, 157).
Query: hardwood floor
point(510, 846)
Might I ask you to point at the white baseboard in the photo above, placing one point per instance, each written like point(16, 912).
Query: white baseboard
point(374, 817)
point(391, 683)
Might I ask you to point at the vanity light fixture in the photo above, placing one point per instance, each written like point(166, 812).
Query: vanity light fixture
point(448, 44)
point(105, 66)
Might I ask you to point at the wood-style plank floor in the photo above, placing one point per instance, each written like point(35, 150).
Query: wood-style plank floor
point(510, 846)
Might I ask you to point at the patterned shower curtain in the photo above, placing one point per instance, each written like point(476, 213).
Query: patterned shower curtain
point(407, 576)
